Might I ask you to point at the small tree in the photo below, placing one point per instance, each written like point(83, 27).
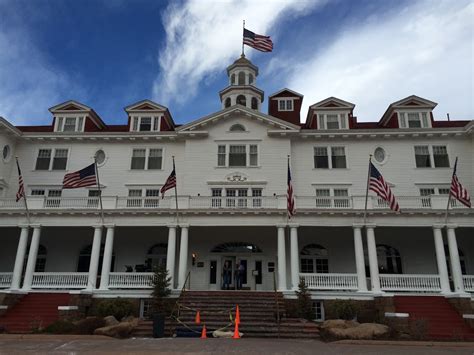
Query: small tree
point(304, 301)
point(161, 289)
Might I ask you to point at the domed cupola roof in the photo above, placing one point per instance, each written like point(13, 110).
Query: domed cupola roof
point(242, 62)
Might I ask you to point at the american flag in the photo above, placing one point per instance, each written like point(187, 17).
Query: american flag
point(82, 178)
point(259, 42)
point(290, 203)
point(378, 184)
point(457, 190)
point(170, 182)
point(21, 185)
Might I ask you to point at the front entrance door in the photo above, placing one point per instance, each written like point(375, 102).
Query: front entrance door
point(230, 260)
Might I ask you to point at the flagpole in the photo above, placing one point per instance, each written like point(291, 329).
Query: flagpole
point(24, 194)
point(176, 193)
point(449, 195)
point(243, 27)
point(100, 191)
point(367, 190)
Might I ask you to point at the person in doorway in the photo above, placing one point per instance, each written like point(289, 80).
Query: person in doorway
point(236, 276)
point(241, 272)
point(226, 274)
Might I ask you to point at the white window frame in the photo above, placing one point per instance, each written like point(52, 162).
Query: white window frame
point(247, 153)
point(332, 195)
point(403, 121)
point(237, 201)
point(430, 151)
point(342, 120)
point(329, 151)
point(147, 156)
point(60, 121)
point(135, 122)
point(286, 101)
point(51, 159)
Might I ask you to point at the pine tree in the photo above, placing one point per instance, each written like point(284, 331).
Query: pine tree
point(161, 289)
point(305, 309)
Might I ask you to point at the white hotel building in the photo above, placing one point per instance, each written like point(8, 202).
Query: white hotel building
point(232, 178)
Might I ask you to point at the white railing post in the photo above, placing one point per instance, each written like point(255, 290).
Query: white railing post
point(107, 260)
point(20, 257)
point(281, 258)
point(31, 264)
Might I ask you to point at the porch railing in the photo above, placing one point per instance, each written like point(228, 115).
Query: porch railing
point(468, 282)
point(399, 282)
point(5, 279)
point(330, 281)
point(324, 202)
point(143, 202)
point(130, 279)
point(231, 202)
point(59, 280)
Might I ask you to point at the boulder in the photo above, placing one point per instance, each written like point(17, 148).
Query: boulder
point(110, 320)
point(121, 330)
point(361, 331)
point(131, 319)
point(224, 334)
point(339, 324)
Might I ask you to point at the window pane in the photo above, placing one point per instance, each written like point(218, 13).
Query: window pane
point(237, 155)
point(403, 122)
point(138, 159)
point(60, 159)
point(424, 119)
point(422, 156)
point(443, 191)
point(427, 192)
point(289, 105)
point(42, 162)
point(155, 159)
point(321, 160)
point(155, 123)
point(221, 155)
point(332, 121)
point(414, 120)
point(135, 124)
point(37, 192)
point(70, 124)
point(145, 124)
point(322, 198)
point(281, 105)
point(135, 193)
point(154, 201)
point(253, 155)
point(321, 121)
point(307, 265)
point(338, 157)
point(342, 117)
point(322, 266)
point(440, 156)
point(60, 124)
point(341, 193)
point(134, 202)
point(80, 122)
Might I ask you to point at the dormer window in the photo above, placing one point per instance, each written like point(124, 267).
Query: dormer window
point(145, 124)
point(237, 128)
point(285, 105)
point(413, 120)
point(70, 124)
point(332, 121)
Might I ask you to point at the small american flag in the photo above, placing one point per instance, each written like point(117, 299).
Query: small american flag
point(378, 184)
point(82, 178)
point(457, 190)
point(259, 42)
point(290, 203)
point(21, 185)
point(170, 182)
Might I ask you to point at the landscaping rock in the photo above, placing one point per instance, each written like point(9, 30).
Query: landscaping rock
point(110, 320)
point(131, 319)
point(361, 331)
point(224, 334)
point(339, 324)
point(121, 330)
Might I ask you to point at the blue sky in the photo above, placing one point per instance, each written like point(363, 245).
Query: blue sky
point(110, 53)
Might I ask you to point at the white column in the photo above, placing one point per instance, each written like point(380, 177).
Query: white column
point(30, 265)
point(183, 257)
point(441, 259)
point(20, 258)
point(294, 256)
point(359, 259)
point(455, 262)
point(95, 255)
point(281, 259)
point(373, 263)
point(107, 262)
point(171, 253)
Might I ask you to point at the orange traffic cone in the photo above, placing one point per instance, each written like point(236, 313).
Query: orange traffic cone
point(204, 332)
point(197, 320)
point(236, 331)
point(237, 315)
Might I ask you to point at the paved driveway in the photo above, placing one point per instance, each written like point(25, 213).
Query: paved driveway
point(101, 345)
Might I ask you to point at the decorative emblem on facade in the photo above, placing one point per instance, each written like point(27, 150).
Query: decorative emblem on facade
point(236, 177)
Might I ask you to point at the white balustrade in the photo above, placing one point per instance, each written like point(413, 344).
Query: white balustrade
point(5, 279)
point(410, 282)
point(72, 202)
point(468, 282)
point(330, 281)
point(144, 202)
point(130, 279)
point(11, 203)
point(63, 280)
point(244, 202)
point(323, 202)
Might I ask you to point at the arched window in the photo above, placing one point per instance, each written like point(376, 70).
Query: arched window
point(236, 247)
point(254, 103)
point(462, 260)
point(241, 78)
point(232, 79)
point(250, 79)
point(40, 265)
point(85, 259)
point(314, 259)
point(156, 256)
point(227, 102)
point(241, 100)
point(389, 260)
point(237, 128)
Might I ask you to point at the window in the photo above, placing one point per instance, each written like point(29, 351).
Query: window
point(253, 155)
point(134, 198)
point(241, 78)
point(413, 120)
point(318, 310)
point(389, 260)
point(257, 197)
point(153, 197)
point(332, 198)
point(379, 155)
point(230, 197)
point(428, 156)
point(237, 197)
point(44, 161)
point(427, 192)
point(254, 103)
point(93, 200)
point(6, 153)
point(332, 121)
point(85, 259)
point(156, 256)
point(323, 198)
point(250, 79)
point(232, 79)
point(237, 155)
point(216, 200)
point(337, 161)
point(40, 265)
point(54, 198)
point(147, 159)
point(100, 157)
point(69, 124)
point(37, 192)
point(221, 155)
point(145, 124)
point(314, 259)
point(285, 105)
point(237, 128)
point(241, 100)
point(227, 102)
point(236, 247)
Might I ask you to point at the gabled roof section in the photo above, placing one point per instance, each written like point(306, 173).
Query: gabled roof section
point(410, 102)
point(333, 103)
point(145, 105)
point(71, 106)
point(236, 109)
point(9, 128)
point(290, 92)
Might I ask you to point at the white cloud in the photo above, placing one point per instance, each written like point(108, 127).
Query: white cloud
point(204, 36)
point(425, 49)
